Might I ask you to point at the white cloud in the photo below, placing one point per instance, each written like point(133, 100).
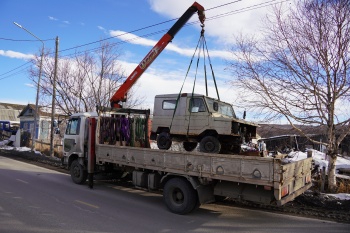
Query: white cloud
point(29, 85)
point(66, 22)
point(52, 18)
point(157, 81)
point(13, 54)
point(239, 16)
point(134, 39)
point(103, 29)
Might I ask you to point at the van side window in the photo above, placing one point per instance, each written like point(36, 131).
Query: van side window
point(169, 104)
point(73, 126)
point(197, 105)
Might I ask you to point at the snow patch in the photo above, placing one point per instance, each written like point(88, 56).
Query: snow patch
point(320, 159)
point(340, 196)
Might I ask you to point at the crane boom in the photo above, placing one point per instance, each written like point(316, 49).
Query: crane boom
point(121, 94)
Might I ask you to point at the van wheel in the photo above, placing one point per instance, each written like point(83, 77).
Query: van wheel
point(179, 196)
point(189, 146)
point(210, 144)
point(164, 141)
point(77, 172)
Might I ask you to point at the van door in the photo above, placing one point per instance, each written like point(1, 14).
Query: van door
point(197, 115)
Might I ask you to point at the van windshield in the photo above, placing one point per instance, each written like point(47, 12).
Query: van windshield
point(221, 107)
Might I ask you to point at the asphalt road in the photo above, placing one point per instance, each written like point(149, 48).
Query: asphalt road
point(35, 199)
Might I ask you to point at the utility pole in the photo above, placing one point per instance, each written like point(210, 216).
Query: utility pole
point(38, 84)
point(52, 146)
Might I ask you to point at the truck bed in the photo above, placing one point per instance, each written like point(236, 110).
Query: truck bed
point(264, 171)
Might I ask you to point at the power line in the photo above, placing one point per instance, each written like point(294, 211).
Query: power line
point(253, 7)
point(249, 8)
point(223, 5)
point(119, 42)
point(14, 69)
point(18, 72)
point(113, 37)
point(187, 24)
point(1, 38)
point(140, 29)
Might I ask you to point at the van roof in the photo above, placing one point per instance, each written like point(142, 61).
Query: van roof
point(86, 114)
point(175, 95)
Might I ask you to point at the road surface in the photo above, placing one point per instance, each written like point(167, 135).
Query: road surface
point(35, 199)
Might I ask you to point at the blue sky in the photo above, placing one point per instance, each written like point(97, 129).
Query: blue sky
point(78, 22)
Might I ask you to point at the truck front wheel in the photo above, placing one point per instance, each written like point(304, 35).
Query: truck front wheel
point(77, 172)
point(179, 196)
point(210, 144)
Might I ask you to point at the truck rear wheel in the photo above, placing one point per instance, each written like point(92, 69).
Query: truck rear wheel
point(210, 144)
point(77, 172)
point(179, 196)
point(164, 141)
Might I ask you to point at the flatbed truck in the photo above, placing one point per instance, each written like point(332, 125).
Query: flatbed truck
point(186, 179)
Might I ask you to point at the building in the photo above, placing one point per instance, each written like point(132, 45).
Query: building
point(26, 117)
point(10, 112)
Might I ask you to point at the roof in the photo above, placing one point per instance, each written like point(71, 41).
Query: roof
point(30, 109)
point(10, 112)
point(11, 106)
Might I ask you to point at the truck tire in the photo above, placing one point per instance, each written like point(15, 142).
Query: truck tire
point(179, 196)
point(164, 141)
point(77, 172)
point(210, 144)
point(189, 146)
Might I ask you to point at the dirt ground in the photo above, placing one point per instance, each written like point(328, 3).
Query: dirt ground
point(312, 203)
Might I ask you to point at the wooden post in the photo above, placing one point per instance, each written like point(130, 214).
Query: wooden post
point(323, 178)
point(309, 153)
point(52, 146)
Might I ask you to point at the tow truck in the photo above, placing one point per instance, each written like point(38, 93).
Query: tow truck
point(118, 141)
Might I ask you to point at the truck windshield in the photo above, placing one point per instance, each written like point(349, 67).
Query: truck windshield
point(73, 126)
point(221, 107)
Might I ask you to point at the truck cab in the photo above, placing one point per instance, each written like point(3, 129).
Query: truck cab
point(194, 118)
point(75, 138)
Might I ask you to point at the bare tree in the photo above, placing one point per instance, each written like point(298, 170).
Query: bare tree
point(299, 70)
point(85, 81)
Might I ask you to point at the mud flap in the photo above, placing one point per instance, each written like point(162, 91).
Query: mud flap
point(292, 196)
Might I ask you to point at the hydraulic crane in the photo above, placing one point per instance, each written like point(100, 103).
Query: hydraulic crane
point(121, 93)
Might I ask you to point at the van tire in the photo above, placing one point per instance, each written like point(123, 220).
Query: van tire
point(210, 144)
point(164, 141)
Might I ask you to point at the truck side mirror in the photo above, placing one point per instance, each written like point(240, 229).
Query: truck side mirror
point(215, 106)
